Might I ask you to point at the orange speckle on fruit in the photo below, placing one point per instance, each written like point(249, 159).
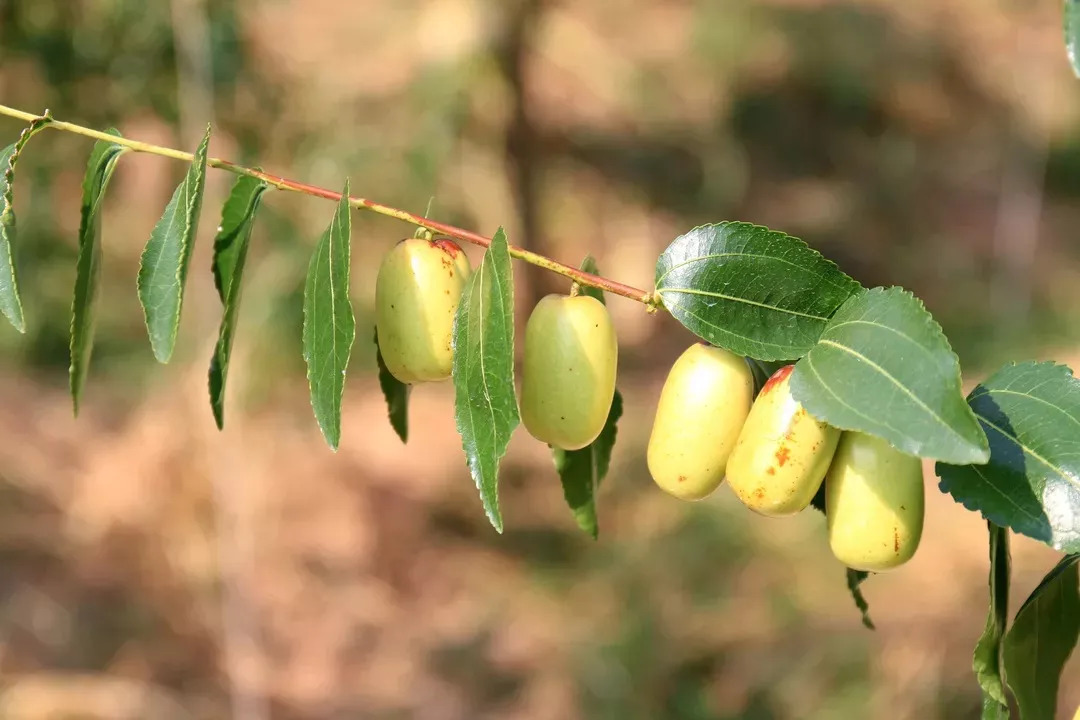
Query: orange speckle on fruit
point(783, 454)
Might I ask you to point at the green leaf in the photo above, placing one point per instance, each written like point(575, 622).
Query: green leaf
point(10, 301)
point(99, 170)
point(230, 252)
point(1072, 33)
point(752, 290)
point(589, 265)
point(1041, 639)
point(396, 394)
point(329, 326)
point(165, 259)
point(987, 659)
point(1031, 413)
point(884, 367)
point(855, 578)
point(485, 406)
point(581, 471)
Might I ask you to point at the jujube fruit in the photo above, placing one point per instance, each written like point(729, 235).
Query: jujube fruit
point(568, 373)
point(874, 503)
point(782, 453)
point(702, 407)
point(417, 292)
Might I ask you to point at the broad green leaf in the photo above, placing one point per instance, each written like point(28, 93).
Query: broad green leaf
point(485, 406)
point(10, 301)
point(884, 367)
point(1031, 414)
point(1041, 639)
point(987, 659)
point(581, 471)
point(329, 326)
point(99, 170)
point(1072, 33)
point(754, 291)
point(230, 253)
point(396, 394)
point(855, 578)
point(165, 259)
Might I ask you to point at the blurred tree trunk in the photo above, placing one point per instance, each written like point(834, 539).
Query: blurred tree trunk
point(522, 147)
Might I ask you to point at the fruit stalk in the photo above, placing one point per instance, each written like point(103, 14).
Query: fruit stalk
point(281, 183)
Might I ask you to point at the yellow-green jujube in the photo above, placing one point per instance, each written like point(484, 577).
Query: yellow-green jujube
point(702, 407)
point(568, 373)
point(782, 453)
point(874, 502)
point(417, 292)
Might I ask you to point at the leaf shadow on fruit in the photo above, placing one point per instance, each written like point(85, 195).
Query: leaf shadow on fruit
point(582, 388)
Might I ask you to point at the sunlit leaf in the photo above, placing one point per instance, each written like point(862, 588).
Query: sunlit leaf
point(754, 291)
point(883, 367)
point(1031, 414)
point(1072, 33)
point(485, 406)
point(329, 325)
point(165, 259)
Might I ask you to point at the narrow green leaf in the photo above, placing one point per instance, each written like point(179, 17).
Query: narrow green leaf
point(230, 253)
point(987, 659)
point(1031, 413)
point(1041, 639)
point(99, 170)
point(10, 301)
point(1072, 33)
point(329, 326)
point(589, 265)
point(396, 394)
point(855, 578)
point(581, 471)
point(884, 367)
point(165, 259)
point(752, 290)
point(485, 406)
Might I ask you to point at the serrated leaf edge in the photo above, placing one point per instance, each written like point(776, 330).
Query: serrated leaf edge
point(193, 202)
point(7, 209)
point(959, 381)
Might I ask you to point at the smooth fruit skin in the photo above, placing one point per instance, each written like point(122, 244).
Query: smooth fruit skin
point(568, 374)
point(783, 452)
point(417, 292)
point(702, 407)
point(874, 502)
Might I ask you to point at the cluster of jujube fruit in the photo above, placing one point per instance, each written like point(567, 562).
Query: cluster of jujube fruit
point(708, 423)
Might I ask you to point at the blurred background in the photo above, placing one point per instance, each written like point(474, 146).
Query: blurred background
point(152, 567)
